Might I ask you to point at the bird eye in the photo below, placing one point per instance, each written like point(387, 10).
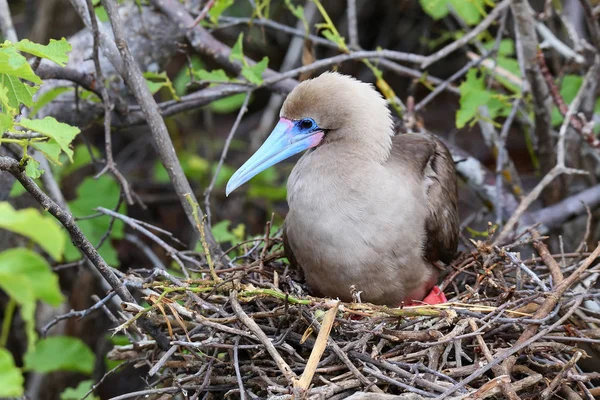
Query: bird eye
point(306, 123)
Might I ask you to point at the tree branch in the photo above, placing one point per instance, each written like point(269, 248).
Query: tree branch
point(137, 84)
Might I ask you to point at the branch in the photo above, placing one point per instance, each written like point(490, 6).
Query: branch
point(527, 48)
point(6, 25)
point(137, 84)
point(12, 166)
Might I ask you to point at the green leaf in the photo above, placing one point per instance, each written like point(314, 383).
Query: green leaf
point(36, 270)
point(194, 167)
point(228, 104)
point(254, 73)
point(80, 391)
point(81, 158)
point(183, 78)
point(473, 94)
point(218, 8)
point(46, 97)
point(6, 123)
point(101, 13)
point(26, 277)
point(157, 81)
point(14, 64)
point(11, 378)
point(335, 38)
point(60, 353)
point(50, 149)
point(5, 101)
point(32, 168)
point(436, 9)
point(56, 50)
point(469, 11)
point(237, 51)
point(506, 47)
point(216, 75)
point(17, 287)
point(298, 12)
point(222, 234)
point(92, 193)
point(62, 133)
point(42, 229)
point(568, 90)
point(17, 92)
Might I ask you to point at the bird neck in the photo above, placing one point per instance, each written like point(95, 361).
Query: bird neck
point(369, 144)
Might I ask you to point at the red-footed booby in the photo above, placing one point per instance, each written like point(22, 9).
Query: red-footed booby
point(366, 208)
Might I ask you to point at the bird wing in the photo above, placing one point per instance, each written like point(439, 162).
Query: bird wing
point(429, 158)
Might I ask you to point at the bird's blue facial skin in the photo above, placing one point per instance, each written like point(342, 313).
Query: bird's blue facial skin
point(287, 139)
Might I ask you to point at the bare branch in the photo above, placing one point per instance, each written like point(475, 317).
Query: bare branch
point(135, 81)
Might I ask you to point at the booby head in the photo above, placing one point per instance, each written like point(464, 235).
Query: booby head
point(331, 108)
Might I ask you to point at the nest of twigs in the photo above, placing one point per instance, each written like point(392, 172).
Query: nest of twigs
point(514, 328)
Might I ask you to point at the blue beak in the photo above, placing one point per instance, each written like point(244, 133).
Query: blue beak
point(286, 140)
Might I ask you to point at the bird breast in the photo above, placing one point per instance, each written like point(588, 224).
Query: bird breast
point(356, 224)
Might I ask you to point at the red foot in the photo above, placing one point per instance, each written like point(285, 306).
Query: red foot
point(436, 296)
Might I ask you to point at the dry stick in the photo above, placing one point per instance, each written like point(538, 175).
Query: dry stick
point(80, 314)
point(6, 24)
point(171, 252)
point(503, 380)
point(592, 22)
point(448, 81)
point(526, 41)
point(108, 107)
point(352, 24)
point(80, 241)
point(236, 365)
point(577, 122)
point(203, 13)
point(559, 378)
point(542, 249)
point(483, 25)
point(263, 338)
point(551, 302)
point(508, 352)
point(165, 357)
point(164, 145)
point(234, 128)
point(108, 46)
point(558, 169)
point(320, 345)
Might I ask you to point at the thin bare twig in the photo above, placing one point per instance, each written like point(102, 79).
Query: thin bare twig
point(234, 128)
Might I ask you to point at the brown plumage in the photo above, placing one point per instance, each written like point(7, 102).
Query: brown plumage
point(367, 208)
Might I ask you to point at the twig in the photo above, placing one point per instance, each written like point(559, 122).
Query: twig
point(506, 353)
point(159, 364)
point(234, 128)
point(6, 25)
point(203, 13)
point(321, 343)
point(352, 24)
point(483, 25)
point(108, 107)
point(80, 314)
point(552, 40)
point(559, 378)
point(542, 249)
point(262, 337)
point(236, 366)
